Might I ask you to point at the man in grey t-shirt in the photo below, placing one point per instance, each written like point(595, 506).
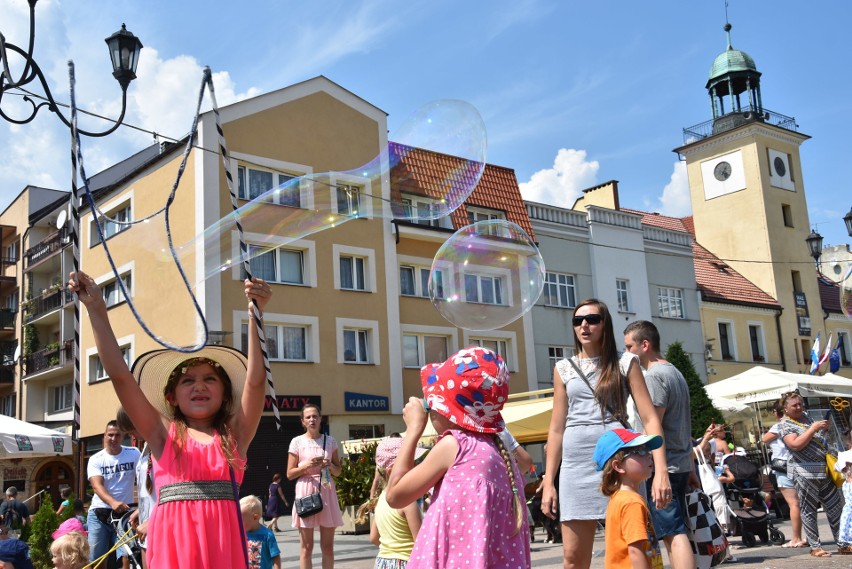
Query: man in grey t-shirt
point(670, 396)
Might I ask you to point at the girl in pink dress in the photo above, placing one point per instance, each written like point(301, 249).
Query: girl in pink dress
point(198, 412)
point(476, 519)
point(313, 461)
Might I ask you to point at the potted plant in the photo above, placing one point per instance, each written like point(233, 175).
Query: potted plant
point(353, 486)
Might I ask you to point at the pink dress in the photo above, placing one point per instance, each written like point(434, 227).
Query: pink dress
point(194, 534)
point(304, 449)
point(470, 523)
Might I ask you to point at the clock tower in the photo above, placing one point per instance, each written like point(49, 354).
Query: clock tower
point(748, 198)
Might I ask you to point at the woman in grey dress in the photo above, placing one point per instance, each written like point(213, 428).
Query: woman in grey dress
point(581, 413)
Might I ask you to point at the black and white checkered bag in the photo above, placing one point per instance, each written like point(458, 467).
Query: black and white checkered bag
point(709, 544)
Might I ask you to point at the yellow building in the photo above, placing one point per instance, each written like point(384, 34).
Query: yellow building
point(350, 323)
point(750, 210)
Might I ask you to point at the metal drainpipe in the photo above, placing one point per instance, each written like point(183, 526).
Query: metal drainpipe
point(780, 339)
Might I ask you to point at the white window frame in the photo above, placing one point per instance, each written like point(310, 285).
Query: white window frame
point(570, 288)
point(309, 323)
point(308, 249)
point(476, 214)
point(622, 296)
point(761, 340)
point(732, 340)
point(552, 358)
point(421, 332)
point(420, 266)
point(125, 344)
point(486, 277)
point(10, 251)
point(365, 193)
point(412, 203)
point(369, 326)
point(105, 280)
point(110, 209)
point(277, 253)
point(111, 288)
point(669, 297)
point(303, 171)
point(510, 338)
point(64, 390)
point(369, 256)
point(278, 179)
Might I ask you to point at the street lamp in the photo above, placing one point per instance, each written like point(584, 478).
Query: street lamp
point(847, 219)
point(124, 50)
point(814, 241)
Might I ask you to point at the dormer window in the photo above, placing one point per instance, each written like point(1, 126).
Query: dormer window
point(421, 210)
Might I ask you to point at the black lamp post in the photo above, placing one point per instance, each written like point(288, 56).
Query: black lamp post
point(847, 219)
point(814, 241)
point(124, 50)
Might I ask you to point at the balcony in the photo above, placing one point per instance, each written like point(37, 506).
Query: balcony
point(733, 120)
point(48, 302)
point(53, 356)
point(44, 249)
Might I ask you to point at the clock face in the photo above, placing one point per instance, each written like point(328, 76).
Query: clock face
point(722, 171)
point(780, 168)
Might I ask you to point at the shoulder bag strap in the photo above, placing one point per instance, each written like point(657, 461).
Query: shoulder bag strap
point(589, 385)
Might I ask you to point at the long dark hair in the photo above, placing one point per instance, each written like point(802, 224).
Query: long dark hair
point(610, 392)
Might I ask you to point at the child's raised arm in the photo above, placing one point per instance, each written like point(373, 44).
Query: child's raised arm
point(408, 483)
point(247, 418)
point(147, 420)
point(636, 553)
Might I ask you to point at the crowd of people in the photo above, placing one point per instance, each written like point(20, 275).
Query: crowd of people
point(462, 503)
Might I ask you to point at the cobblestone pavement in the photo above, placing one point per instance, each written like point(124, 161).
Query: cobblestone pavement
point(356, 552)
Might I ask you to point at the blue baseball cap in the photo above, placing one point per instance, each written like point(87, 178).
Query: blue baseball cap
point(613, 441)
point(16, 552)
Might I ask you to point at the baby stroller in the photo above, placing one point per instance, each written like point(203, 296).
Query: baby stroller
point(747, 506)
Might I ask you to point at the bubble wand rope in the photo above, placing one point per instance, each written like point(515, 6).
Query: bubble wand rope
point(258, 316)
point(76, 146)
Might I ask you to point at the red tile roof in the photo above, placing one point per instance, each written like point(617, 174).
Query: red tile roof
point(418, 171)
point(716, 280)
point(829, 295)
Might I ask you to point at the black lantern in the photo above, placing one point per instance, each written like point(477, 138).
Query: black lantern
point(814, 241)
point(124, 50)
point(847, 219)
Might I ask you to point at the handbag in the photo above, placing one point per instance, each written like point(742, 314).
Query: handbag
point(589, 385)
point(709, 544)
point(311, 504)
point(779, 465)
point(836, 477)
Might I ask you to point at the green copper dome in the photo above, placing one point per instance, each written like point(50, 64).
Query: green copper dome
point(731, 60)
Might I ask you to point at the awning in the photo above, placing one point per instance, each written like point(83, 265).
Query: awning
point(765, 384)
point(19, 439)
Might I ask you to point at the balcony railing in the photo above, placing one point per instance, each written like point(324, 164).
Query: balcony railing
point(45, 303)
point(55, 356)
point(45, 248)
point(7, 318)
point(732, 120)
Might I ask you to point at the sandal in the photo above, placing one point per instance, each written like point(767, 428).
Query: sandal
point(797, 545)
point(845, 550)
point(820, 552)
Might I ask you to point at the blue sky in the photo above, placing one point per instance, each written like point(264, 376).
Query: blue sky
point(572, 93)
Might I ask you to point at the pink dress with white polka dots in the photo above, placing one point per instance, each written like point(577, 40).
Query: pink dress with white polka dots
point(470, 523)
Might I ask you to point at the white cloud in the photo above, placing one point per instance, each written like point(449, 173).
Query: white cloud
point(675, 200)
point(562, 184)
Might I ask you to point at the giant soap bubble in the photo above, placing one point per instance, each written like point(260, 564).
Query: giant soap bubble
point(486, 275)
point(449, 142)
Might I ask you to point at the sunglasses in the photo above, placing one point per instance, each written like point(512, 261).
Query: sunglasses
point(590, 318)
point(642, 451)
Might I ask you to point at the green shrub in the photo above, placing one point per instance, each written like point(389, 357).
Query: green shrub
point(45, 522)
point(703, 411)
point(356, 476)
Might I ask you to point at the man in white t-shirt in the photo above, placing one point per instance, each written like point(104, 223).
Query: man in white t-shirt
point(112, 473)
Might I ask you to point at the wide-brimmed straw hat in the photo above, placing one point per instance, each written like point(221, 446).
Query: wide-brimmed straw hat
point(152, 370)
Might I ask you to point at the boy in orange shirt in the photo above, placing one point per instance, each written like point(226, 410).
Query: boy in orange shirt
point(625, 458)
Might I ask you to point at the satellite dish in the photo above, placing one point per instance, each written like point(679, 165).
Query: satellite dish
point(61, 219)
point(17, 354)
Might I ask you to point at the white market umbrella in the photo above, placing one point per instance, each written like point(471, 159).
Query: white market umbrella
point(19, 439)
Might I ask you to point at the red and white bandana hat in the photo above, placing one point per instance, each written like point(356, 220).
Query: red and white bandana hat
point(469, 389)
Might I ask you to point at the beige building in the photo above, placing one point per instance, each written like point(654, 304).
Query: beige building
point(351, 322)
